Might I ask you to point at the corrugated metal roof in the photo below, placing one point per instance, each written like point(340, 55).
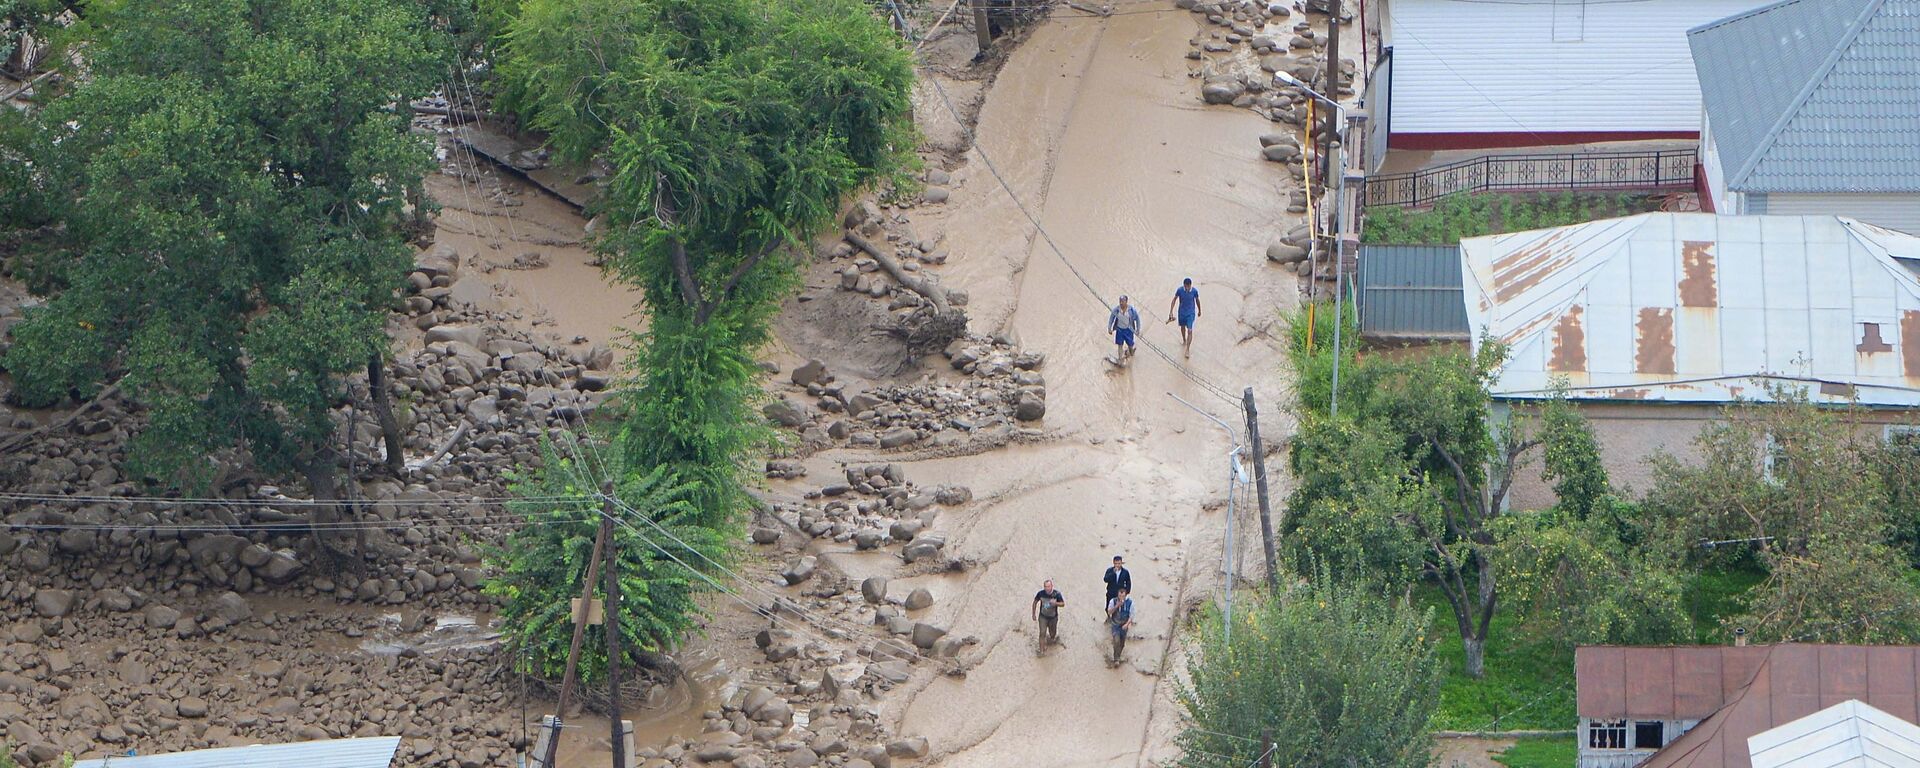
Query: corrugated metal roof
point(1411, 292)
point(1851, 734)
point(1815, 95)
point(1696, 307)
point(335, 753)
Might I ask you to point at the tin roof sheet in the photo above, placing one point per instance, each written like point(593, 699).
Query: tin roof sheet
point(1851, 734)
point(333, 753)
point(1814, 95)
point(1697, 307)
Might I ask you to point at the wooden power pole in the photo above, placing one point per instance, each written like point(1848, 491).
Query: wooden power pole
point(982, 27)
point(613, 633)
point(1260, 484)
point(580, 616)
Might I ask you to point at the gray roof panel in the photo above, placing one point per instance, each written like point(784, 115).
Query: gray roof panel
point(374, 752)
point(1815, 95)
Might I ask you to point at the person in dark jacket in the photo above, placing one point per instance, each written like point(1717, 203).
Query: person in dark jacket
point(1117, 579)
point(1046, 611)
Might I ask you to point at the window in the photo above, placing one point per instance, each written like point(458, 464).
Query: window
point(1607, 734)
point(1649, 734)
point(1902, 436)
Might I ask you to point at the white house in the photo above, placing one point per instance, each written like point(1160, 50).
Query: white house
point(1813, 107)
point(1470, 74)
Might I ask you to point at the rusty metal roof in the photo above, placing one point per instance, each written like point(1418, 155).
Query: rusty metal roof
point(1698, 307)
point(1737, 693)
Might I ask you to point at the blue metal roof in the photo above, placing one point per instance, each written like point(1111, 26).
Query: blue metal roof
point(335, 753)
point(1815, 95)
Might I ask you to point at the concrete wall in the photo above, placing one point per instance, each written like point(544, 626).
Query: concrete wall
point(1632, 433)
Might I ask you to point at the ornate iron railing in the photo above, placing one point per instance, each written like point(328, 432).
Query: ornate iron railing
point(1665, 169)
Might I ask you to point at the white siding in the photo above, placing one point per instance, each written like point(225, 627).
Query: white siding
point(1893, 211)
point(1710, 164)
point(1465, 66)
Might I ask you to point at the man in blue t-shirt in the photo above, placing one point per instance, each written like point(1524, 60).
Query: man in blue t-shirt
point(1186, 307)
point(1123, 322)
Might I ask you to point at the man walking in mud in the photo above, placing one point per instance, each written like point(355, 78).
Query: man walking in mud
point(1046, 610)
point(1117, 578)
point(1123, 322)
point(1119, 621)
point(1185, 307)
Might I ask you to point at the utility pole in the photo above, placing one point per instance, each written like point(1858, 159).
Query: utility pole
point(1266, 748)
point(579, 633)
point(1260, 484)
point(613, 631)
point(1331, 88)
point(982, 28)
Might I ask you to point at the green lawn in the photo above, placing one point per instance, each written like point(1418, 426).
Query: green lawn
point(1528, 685)
point(1540, 753)
point(1715, 595)
point(1472, 215)
point(1529, 682)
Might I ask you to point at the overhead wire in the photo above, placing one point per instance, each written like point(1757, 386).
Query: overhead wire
point(828, 622)
point(1046, 236)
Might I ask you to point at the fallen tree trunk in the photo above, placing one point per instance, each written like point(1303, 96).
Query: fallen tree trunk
point(928, 290)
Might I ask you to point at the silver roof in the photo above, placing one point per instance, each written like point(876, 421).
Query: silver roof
point(1815, 95)
point(334, 753)
point(1695, 307)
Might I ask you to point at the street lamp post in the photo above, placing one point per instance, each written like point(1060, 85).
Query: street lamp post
point(1337, 169)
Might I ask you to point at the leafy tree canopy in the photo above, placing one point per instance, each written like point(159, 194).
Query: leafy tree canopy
point(1337, 675)
point(230, 175)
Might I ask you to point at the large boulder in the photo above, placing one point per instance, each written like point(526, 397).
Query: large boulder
point(1030, 407)
point(785, 413)
point(874, 589)
point(919, 599)
point(912, 748)
point(52, 603)
point(811, 372)
point(232, 608)
point(925, 634)
point(1222, 90)
point(800, 570)
point(923, 547)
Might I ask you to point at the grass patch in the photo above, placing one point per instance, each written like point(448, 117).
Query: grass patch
point(1528, 685)
point(1712, 596)
point(1558, 752)
point(1471, 215)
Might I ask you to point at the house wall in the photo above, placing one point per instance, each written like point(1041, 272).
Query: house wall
point(1630, 434)
point(1481, 74)
point(1723, 200)
point(1893, 211)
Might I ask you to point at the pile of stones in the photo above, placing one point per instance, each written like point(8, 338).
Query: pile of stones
point(1000, 389)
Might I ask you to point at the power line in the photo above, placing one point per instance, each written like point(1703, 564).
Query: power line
point(1216, 390)
point(62, 498)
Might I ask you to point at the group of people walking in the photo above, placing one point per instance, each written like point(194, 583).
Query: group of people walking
point(1118, 612)
point(1123, 321)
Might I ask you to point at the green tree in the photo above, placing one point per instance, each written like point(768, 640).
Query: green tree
point(1339, 677)
point(1450, 449)
point(1574, 580)
point(1817, 505)
point(232, 177)
point(735, 128)
point(541, 566)
point(1572, 458)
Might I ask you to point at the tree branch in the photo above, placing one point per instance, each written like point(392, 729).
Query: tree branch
point(683, 271)
point(733, 281)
